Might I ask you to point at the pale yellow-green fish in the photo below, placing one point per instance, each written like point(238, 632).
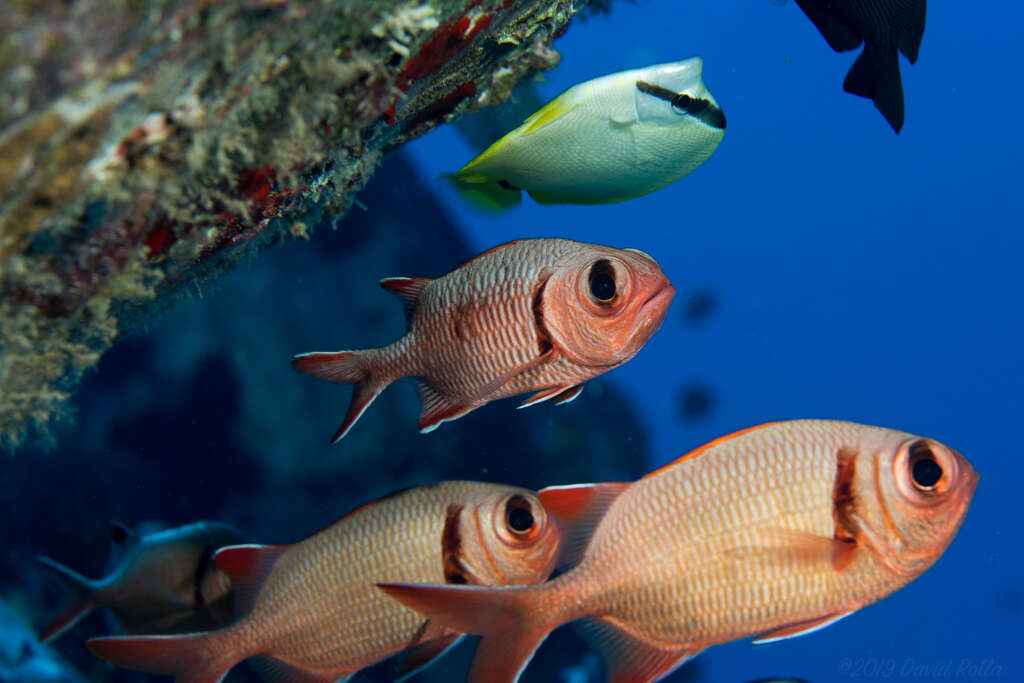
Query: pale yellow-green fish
point(315, 612)
point(607, 140)
point(774, 531)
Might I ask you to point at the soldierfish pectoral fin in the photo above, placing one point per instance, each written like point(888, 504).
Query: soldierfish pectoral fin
point(563, 393)
point(437, 409)
point(631, 659)
point(578, 509)
point(779, 546)
point(484, 194)
point(425, 654)
point(344, 367)
point(83, 602)
point(801, 629)
point(508, 618)
point(408, 290)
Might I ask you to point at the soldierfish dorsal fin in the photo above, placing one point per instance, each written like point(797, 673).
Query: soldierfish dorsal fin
point(83, 602)
point(579, 508)
point(631, 659)
point(247, 566)
point(408, 290)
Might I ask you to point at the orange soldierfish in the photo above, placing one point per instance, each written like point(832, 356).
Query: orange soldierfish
point(539, 315)
point(315, 610)
point(774, 531)
point(164, 583)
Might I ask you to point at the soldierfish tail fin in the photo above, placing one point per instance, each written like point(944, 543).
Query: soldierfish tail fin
point(876, 75)
point(485, 195)
point(191, 658)
point(509, 619)
point(344, 367)
point(83, 602)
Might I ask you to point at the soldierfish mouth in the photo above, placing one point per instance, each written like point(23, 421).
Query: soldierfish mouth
point(660, 297)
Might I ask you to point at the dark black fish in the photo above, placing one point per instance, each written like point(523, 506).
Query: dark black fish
point(884, 26)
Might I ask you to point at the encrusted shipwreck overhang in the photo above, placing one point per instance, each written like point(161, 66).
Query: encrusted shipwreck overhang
point(146, 146)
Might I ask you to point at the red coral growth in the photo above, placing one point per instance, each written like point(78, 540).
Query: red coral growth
point(447, 42)
point(438, 109)
point(256, 183)
point(160, 236)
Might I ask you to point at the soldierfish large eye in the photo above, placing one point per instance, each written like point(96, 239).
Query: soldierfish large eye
point(519, 515)
point(602, 281)
point(924, 470)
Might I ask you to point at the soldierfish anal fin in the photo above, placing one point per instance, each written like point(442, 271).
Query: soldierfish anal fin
point(247, 566)
point(275, 671)
point(563, 394)
point(801, 628)
point(508, 618)
point(631, 659)
point(437, 408)
point(579, 508)
point(408, 290)
point(192, 658)
point(83, 602)
point(353, 367)
point(423, 655)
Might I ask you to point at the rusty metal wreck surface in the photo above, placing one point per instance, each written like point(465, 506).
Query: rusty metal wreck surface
point(145, 147)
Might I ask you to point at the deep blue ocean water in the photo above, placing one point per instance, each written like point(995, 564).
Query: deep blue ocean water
point(831, 269)
point(857, 274)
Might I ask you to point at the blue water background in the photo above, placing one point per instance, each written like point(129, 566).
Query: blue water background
point(858, 275)
point(853, 273)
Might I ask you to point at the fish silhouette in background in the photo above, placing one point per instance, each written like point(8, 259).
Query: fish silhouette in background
point(883, 26)
point(606, 140)
point(315, 612)
point(538, 315)
point(774, 531)
point(164, 582)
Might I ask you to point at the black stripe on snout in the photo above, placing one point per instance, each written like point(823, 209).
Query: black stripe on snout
point(451, 548)
point(704, 110)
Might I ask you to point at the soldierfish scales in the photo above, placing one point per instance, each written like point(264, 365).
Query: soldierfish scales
point(775, 531)
point(314, 607)
point(540, 315)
